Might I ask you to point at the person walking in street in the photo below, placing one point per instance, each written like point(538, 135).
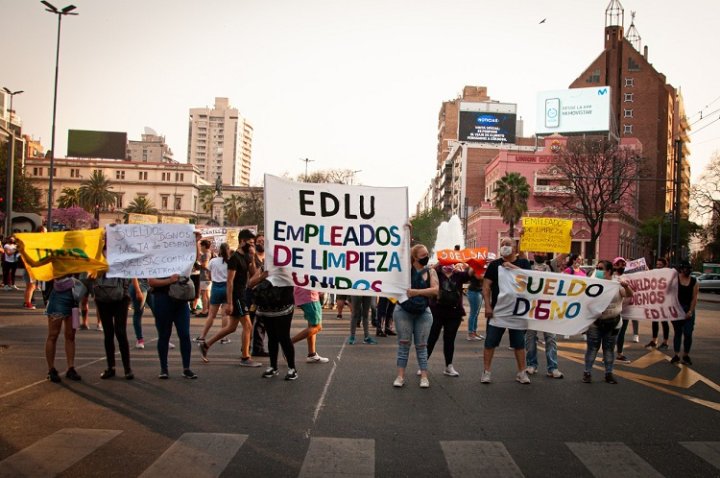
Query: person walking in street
point(218, 272)
point(618, 265)
point(10, 263)
point(385, 325)
point(111, 302)
point(660, 263)
point(59, 312)
point(688, 288)
point(309, 301)
point(605, 329)
point(413, 318)
point(509, 259)
point(204, 260)
point(475, 299)
point(531, 336)
point(361, 305)
point(257, 346)
point(138, 292)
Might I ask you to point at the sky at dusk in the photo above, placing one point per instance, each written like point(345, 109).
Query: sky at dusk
point(354, 84)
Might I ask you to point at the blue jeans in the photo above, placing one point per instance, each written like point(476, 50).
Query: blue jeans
point(531, 339)
point(596, 336)
point(169, 311)
point(476, 302)
point(683, 329)
point(138, 305)
point(407, 326)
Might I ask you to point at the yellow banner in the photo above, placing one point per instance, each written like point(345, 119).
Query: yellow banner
point(546, 234)
point(49, 255)
point(141, 219)
point(174, 220)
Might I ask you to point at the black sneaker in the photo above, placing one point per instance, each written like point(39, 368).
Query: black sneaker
point(610, 379)
point(675, 359)
point(163, 375)
point(291, 375)
point(587, 377)
point(270, 372)
point(663, 347)
point(187, 373)
point(622, 358)
point(686, 360)
point(73, 375)
point(129, 375)
point(380, 333)
point(389, 332)
point(109, 373)
point(651, 345)
point(54, 376)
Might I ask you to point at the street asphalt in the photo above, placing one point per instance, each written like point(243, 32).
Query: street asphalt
point(344, 418)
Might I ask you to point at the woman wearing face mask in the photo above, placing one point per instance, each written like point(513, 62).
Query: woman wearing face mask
point(447, 312)
point(413, 318)
point(688, 288)
point(573, 265)
point(618, 265)
point(605, 329)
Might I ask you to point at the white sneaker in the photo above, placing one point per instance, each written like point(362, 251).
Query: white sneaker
point(555, 374)
point(485, 377)
point(531, 370)
point(522, 377)
point(140, 344)
point(171, 345)
point(399, 382)
point(419, 372)
point(636, 339)
point(424, 382)
point(450, 371)
point(15, 287)
point(317, 359)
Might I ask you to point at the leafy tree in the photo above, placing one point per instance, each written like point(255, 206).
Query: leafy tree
point(601, 175)
point(233, 209)
point(206, 196)
point(511, 198)
point(69, 197)
point(337, 176)
point(425, 226)
point(141, 205)
point(95, 193)
point(26, 197)
point(705, 203)
point(252, 208)
point(74, 218)
point(648, 233)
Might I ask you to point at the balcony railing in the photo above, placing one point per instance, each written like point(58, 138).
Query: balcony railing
point(553, 189)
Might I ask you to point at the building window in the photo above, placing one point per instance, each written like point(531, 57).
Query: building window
point(179, 177)
point(628, 129)
point(142, 175)
point(37, 171)
point(627, 113)
point(119, 200)
point(178, 202)
point(119, 174)
point(74, 173)
point(164, 202)
point(145, 155)
point(629, 82)
point(628, 97)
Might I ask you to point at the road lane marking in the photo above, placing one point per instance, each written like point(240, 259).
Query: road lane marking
point(339, 457)
point(199, 455)
point(479, 458)
point(707, 450)
point(54, 454)
point(612, 460)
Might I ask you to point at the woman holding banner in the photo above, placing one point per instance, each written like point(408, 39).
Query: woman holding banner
point(413, 318)
point(688, 288)
point(604, 331)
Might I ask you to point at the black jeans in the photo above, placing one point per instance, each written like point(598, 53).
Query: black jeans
point(450, 327)
point(278, 333)
point(683, 330)
point(9, 269)
point(113, 316)
point(656, 330)
point(385, 310)
point(621, 335)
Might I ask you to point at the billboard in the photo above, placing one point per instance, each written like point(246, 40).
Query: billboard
point(577, 110)
point(484, 122)
point(96, 144)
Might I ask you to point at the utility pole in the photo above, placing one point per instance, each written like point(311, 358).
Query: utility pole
point(306, 160)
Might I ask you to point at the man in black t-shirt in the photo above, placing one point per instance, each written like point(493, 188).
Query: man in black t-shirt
point(509, 259)
point(241, 265)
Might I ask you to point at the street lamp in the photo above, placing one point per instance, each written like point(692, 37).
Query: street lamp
point(65, 11)
point(306, 160)
point(10, 165)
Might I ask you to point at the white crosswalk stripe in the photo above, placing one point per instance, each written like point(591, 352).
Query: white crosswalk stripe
point(707, 450)
point(612, 460)
point(339, 457)
point(479, 458)
point(55, 453)
point(199, 455)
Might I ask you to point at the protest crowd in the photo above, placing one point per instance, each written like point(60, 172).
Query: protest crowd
point(175, 272)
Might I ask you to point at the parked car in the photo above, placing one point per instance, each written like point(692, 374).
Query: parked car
point(709, 283)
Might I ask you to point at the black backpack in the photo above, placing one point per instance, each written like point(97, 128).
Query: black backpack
point(449, 294)
point(269, 296)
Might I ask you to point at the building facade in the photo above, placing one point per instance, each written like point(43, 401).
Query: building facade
point(150, 149)
point(643, 106)
point(220, 144)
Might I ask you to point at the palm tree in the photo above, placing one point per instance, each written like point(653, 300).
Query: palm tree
point(95, 194)
point(207, 194)
point(233, 209)
point(69, 197)
point(141, 205)
point(511, 198)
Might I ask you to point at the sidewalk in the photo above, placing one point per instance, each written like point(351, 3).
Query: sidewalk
point(709, 297)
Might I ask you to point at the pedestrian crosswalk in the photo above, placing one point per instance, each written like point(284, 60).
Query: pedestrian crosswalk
point(208, 455)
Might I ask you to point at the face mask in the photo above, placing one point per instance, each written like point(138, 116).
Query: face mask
point(448, 269)
point(599, 274)
point(260, 248)
point(539, 259)
point(245, 248)
point(506, 251)
point(424, 261)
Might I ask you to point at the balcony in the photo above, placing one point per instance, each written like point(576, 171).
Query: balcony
point(553, 189)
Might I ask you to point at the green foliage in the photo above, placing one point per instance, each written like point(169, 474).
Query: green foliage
point(511, 198)
point(648, 233)
point(69, 197)
point(425, 225)
point(141, 205)
point(95, 193)
point(207, 194)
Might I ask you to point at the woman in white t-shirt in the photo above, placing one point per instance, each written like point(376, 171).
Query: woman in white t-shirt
point(10, 264)
point(217, 272)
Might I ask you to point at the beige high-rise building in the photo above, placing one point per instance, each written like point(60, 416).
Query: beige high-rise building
point(220, 144)
point(150, 149)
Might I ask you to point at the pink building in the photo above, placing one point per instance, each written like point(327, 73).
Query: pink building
point(485, 227)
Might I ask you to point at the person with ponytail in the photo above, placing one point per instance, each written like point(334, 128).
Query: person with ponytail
point(217, 274)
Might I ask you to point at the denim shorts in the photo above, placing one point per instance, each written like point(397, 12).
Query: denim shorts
point(493, 335)
point(313, 313)
point(60, 303)
point(218, 293)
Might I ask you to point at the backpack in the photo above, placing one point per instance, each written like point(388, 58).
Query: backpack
point(417, 304)
point(106, 289)
point(448, 295)
point(269, 296)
